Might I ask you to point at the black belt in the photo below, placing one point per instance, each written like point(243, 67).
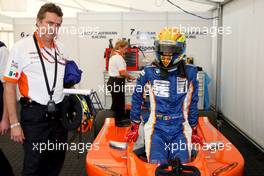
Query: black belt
point(119, 78)
point(28, 101)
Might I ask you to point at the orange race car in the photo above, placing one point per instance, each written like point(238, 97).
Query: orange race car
point(113, 156)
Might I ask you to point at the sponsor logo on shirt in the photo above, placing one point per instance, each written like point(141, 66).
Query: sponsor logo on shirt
point(14, 65)
point(161, 88)
point(13, 74)
point(182, 85)
point(157, 71)
point(13, 69)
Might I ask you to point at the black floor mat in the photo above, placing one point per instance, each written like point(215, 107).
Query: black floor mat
point(254, 158)
point(73, 165)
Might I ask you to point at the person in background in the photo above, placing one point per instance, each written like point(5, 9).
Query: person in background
point(37, 64)
point(4, 121)
point(5, 166)
point(116, 83)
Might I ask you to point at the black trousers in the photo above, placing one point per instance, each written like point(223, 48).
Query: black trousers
point(1, 100)
point(40, 131)
point(117, 88)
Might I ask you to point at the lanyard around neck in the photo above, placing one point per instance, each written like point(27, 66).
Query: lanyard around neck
point(50, 91)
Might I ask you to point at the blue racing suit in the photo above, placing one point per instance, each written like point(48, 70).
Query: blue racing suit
point(173, 111)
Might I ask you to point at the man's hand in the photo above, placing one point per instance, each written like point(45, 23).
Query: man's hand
point(132, 78)
point(195, 137)
point(4, 124)
point(17, 134)
point(132, 134)
point(10, 100)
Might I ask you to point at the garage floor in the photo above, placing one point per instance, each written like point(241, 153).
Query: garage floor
point(74, 163)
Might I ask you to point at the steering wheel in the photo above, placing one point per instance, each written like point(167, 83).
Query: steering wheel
point(175, 168)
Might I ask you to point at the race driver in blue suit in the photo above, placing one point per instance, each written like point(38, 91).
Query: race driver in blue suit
point(173, 92)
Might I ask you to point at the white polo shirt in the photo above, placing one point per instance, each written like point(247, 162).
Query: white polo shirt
point(25, 69)
point(117, 65)
point(3, 61)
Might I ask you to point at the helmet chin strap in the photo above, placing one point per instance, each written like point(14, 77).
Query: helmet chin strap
point(164, 73)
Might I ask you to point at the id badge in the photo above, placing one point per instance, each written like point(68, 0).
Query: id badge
point(51, 107)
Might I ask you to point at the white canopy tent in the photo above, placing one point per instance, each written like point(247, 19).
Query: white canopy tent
point(29, 8)
point(11, 11)
point(226, 98)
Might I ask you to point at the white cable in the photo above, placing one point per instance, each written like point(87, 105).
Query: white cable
point(77, 91)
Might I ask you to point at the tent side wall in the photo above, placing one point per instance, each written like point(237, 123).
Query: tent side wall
point(6, 20)
point(242, 67)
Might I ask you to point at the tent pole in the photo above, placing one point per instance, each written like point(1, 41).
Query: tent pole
point(219, 57)
point(219, 61)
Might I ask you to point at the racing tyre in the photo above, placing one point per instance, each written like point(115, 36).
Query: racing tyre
point(72, 112)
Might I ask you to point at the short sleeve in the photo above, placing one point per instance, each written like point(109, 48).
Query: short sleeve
point(14, 65)
point(121, 64)
point(3, 61)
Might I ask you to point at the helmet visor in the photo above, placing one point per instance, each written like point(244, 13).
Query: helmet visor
point(168, 48)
